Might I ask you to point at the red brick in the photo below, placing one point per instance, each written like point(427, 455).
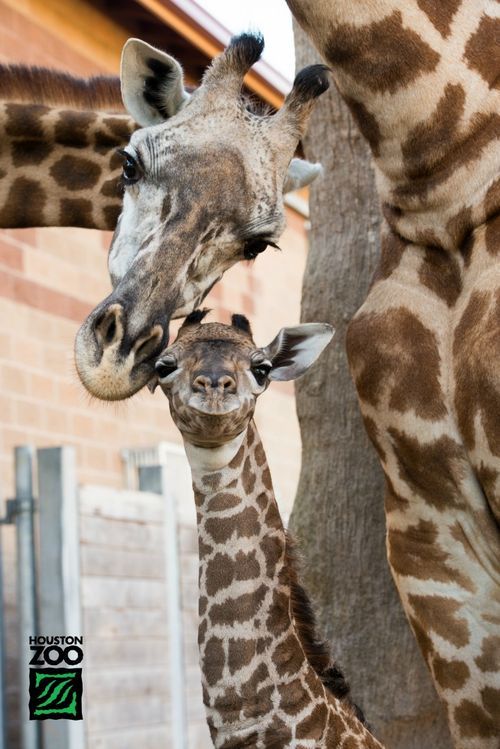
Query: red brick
point(28, 292)
point(11, 256)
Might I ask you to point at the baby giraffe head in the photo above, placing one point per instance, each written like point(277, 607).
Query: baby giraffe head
point(213, 374)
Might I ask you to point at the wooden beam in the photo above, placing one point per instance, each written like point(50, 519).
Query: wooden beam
point(192, 29)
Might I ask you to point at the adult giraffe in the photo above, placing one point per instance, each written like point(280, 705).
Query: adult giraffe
point(421, 79)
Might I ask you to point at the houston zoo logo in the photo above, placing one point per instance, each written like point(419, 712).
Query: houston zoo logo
point(56, 686)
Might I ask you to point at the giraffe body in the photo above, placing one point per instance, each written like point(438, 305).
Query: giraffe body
point(421, 79)
point(58, 161)
point(259, 687)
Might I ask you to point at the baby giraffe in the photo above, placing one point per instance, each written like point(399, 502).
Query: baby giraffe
point(267, 681)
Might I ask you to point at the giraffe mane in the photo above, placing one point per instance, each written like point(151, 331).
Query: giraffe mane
point(24, 83)
point(316, 650)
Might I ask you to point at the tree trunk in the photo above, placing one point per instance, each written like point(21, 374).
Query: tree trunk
point(338, 515)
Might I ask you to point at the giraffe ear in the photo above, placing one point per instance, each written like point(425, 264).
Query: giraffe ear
point(152, 83)
point(294, 349)
point(300, 173)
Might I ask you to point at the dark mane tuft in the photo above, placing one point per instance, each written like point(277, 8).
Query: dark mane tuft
point(316, 650)
point(195, 317)
point(241, 322)
point(23, 83)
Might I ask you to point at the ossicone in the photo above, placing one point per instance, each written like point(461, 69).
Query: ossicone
point(311, 82)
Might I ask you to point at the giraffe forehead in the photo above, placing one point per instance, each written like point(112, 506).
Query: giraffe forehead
point(226, 147)
point(216, 352)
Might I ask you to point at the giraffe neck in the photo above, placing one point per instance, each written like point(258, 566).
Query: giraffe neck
point(415, 77)
point(258, 685)
point(58, 163)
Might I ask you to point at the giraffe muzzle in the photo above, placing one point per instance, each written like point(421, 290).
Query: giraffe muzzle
point(111, 363)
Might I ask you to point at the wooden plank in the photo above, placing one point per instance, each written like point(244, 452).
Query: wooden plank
point(122, 713)
point(104, 623)
point(76, 23)
point(116, 593)
point(126, 653)
point(121, 534)
point(98, 560)
point(124, 505)
point(105, 685)
point(146, 737)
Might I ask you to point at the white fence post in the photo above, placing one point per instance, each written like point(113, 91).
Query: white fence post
point(26, 585)
point(153, 479)
point(59, 565)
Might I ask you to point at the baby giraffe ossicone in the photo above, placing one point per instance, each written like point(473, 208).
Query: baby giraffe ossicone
point(267, 681)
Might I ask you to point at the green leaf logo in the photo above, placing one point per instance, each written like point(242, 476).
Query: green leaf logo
point(56, 693)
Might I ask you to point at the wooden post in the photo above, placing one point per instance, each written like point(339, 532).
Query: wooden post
point(59, 566)
point(153, 479)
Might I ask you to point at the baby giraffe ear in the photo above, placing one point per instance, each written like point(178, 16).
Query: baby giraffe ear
point(300, 173)
point(294, 349)
point(152, 83)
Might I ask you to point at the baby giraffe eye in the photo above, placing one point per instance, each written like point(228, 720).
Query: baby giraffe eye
point(164, 367)
point(260, 371)
point(131, 172)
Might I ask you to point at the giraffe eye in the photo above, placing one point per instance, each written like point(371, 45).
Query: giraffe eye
point(164, 367)
point(131, 172)
point(260, 371)
point(254, 247)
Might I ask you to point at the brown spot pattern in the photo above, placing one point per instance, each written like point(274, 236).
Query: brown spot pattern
point(24, 205)
point(367, 123)
point(386, 351)
point(416, 552)
point(240, 653)
point(474, 721)
point(76, 212)
point(242, 608)
point(72, 128)
point(440, 272)
point(383, 56)
point(313, 726)
point(25, 121)
point(287, 656)
point(432, 470)
point(392, 247)
point(440, 14)
point(30, 151)
point(213, 660)
point(476, 375)
point(450, 674)
point(489, 660)
point(439, 614)
point(482, 51)
point(75, 172)
point(429, 141)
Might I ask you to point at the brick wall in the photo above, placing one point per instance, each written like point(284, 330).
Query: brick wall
point(51, 278)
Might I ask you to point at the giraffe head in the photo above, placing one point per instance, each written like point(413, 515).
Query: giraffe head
point(204, 179)
point(213, 374)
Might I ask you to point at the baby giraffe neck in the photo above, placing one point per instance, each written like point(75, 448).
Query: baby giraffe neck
point(259, 688)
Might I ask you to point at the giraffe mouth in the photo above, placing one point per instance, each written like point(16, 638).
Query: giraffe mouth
point(215, 405)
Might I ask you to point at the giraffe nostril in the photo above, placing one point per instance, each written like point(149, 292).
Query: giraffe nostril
point(108, 326)
point(201, 384)
point(227, 384)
